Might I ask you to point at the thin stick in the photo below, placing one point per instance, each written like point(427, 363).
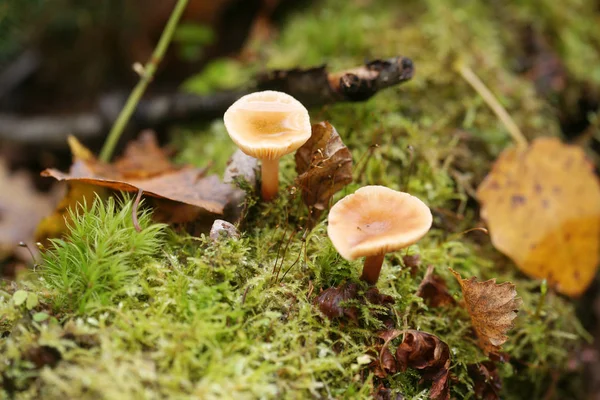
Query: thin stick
point(473, 80)
point(146, 77)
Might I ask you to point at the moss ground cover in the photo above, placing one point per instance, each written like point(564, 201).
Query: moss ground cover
point(161, 314)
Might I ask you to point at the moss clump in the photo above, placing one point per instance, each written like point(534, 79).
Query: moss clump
point(94, 266)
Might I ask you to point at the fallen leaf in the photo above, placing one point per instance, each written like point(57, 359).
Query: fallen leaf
point(486, 380)
point(22, 207)
point(342, 303)
point(331, 302)
point(542, 206)
point(426, 352)
point(385, 362)
point(143, 158)
point(324, 166)
point(433, 290)
point(42, 356)
point(145, 167)
point(383, 393)
point(492, 308)
point(55, 224)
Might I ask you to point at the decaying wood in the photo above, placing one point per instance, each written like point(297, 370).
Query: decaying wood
point(313, 87)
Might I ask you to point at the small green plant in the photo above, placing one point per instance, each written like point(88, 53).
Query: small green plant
point(99, 256)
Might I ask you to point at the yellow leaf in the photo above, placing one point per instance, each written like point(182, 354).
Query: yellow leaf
point(542, 207)
point(55, 225)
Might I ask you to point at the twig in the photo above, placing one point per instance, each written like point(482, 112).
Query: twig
point(146, 78)
point(313, 86)
point(473, 80)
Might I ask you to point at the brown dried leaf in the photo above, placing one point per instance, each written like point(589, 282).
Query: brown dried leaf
point(324, 166)
point(383, 393)
point(434, 291)
point(492, 308)
point(385, 362)
point(186, 184)
point(426, 352)
point(143, 158)
point(542, 206)
point(486, 380)
point(330, 302)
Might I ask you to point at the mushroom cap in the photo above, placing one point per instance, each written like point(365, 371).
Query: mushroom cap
point(377, 220)
point(268, 125)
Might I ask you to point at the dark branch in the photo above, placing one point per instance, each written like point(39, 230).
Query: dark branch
point(313, 87)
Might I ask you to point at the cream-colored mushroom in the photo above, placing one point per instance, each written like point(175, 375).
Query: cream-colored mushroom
point(268, 125)
point(376, 220)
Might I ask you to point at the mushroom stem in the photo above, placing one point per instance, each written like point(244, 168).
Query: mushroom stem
point(270, 179)
point(372, 268)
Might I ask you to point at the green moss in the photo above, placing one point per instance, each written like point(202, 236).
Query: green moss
point(94, 265)
point(184, 317)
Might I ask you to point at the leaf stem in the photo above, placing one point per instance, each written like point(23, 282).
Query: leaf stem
point(146, 77)
point(473, 80)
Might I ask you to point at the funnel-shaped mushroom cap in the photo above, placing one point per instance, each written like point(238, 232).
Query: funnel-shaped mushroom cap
point(377, 220)
point(268, 125)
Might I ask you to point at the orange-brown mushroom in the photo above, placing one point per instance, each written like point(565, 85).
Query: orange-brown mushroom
point(268, 125)
point(376, 220)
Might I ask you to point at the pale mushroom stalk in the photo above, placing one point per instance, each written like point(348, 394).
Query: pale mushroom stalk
point(372, 268)
point(270, 179)
point(268, 125)
point(373, 221)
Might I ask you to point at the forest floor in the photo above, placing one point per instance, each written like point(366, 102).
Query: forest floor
point(175, 315)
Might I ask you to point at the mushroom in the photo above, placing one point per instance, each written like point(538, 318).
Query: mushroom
point(376, 220)
point(268, 125)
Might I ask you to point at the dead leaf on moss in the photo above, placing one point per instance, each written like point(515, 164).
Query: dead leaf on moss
point(324, 166)
point(343, 302)
point(427, 353)
point(331, 302)
point(486, 380)
point(384, 363)
point(433, 290)
point(144, 166)
point(542, 206)
point(492, 308)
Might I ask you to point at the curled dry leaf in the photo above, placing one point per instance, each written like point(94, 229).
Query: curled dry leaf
point(486, 380)
point(433, 290)
point(324, 166)
point(342, 302)
point(542, 206)
point(492, 308)
point(144, 166)
point(427, 353)
point(331, 302)
point(385, 362)
point(383, 393)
